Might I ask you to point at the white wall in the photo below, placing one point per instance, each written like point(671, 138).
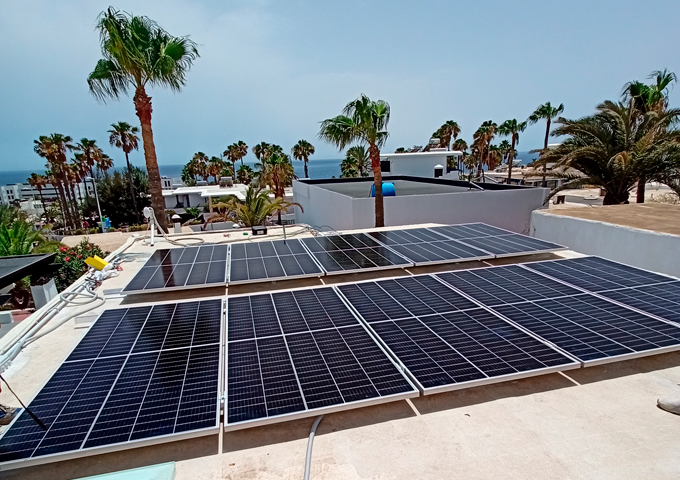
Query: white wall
point(659, 252)
point(416, 164)
point(322, 207)
point(509, 209)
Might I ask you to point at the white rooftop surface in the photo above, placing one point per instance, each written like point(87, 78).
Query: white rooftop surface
point(402, 188)
point(595, 423)
point(205, 191)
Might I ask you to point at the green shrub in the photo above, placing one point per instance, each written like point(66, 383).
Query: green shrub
point(78, 231)
point(137, 228)
point(72, 261)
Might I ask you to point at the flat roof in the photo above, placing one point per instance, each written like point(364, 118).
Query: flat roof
point(574, 424)
point(404, 185)
point(656, 217)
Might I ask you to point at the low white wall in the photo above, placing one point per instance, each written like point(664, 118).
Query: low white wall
point(659, 252)
point(322, 207)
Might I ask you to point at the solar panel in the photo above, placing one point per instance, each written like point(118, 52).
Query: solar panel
point(661, 300)
point(506, 284)
point(263, 261)
point(300, 353)
point(345, 253)
point(596, 274)
point(593, 329)
point(446, 341)
point(423, 246)
point(179, 268)
point(494, 240)
point(141, 374)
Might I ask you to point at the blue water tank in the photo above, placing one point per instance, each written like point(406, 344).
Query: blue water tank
point(388, 189)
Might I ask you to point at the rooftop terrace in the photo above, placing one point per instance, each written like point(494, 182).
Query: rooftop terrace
point(597, 422)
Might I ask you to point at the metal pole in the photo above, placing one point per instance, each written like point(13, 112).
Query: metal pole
point(96, 196)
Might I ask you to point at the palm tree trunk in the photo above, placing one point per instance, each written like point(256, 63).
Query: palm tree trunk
point(511, 157)
point(306, 171)
point(374, 153)
point(640, 196)
point(545, 150)
point(64, 205)
point(143, 108)
point(42, 200)
point(132, 188)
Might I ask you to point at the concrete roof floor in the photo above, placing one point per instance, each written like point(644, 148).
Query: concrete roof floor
point(600, 422)
point(657, 217)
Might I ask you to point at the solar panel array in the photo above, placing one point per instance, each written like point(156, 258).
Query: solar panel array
point(297, 353)
point(139, 373)
point(423, 246)
point(583, 324)
point(346, 253)
point(270, 260)
point(494, 240)
point(177, 268)
point(445, 340)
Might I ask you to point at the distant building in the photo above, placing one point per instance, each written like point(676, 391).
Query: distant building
point(436, 163)
point(22, 192)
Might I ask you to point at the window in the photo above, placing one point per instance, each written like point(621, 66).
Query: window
point(385, 166)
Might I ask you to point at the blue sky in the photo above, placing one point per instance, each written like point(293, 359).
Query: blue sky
point(271, 70)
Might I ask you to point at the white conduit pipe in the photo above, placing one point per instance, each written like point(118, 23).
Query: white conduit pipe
point(308, 459)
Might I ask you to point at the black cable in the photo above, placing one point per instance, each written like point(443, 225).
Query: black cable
point(37, 420)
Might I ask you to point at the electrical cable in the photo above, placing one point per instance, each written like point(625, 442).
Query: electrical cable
point(32, 415)
point(310, 443)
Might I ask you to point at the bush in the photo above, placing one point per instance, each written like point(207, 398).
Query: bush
point(72, 261)
point(137, 228)
point(78, 231)
point(93, 230)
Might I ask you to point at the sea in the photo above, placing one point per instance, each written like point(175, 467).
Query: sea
point(318, 169)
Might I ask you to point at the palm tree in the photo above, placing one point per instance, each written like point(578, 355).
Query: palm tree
point(139, 53)
point(260, 148)
point(363, 121)
point(200, 165)
point(255, 209)
point(19, 237)
point(301, 151)
point(124, 136)
point(482, 144)
point(244, 174)
point(277, 172)
point(646, 98)
point(548, 113)
point(615, 147)
point(511, 128)
point(215, 167)
point(446, 132)
point(54, 148)
point(359, 158)
point(39, 182)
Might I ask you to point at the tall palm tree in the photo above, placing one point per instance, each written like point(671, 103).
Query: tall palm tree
point(276, 171)
point(548, 113)
point(124, 136)
point(615, 147)
point(511, 128)
point(39, 182)
point(53, 148)
point(363, 121)
point(301, 151)
point(139, 53)
point(646, 98)
point(446, 132)
point(235, 152)
point(481, 145)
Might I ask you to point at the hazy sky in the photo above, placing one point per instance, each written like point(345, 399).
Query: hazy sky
point(271, 70)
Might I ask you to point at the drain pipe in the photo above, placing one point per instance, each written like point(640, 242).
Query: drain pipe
point(308, 460)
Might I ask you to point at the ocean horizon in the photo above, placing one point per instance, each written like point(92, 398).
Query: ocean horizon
point(318, 169)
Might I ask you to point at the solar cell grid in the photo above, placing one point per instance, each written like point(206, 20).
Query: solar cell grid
point(139, 373)
point(507, 284)
point(596, 274)
point(469, 230)
point(177, 268)
point(593, 329)
point(661, 300)
point(317, 357)
point(270, 260)
point(444, 339)
point(343, 253)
